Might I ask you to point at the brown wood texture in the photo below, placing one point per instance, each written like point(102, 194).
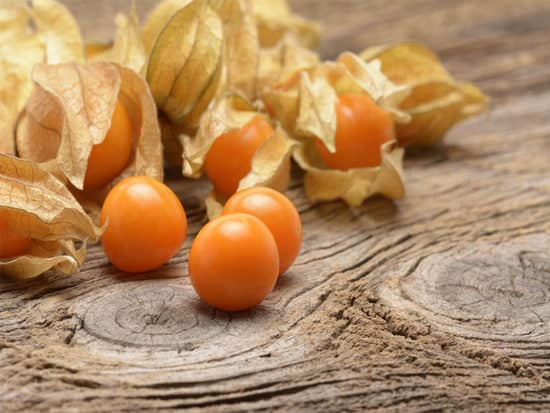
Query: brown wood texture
point(439, 302)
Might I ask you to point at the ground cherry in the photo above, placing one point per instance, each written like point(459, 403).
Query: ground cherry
point(11, 242)
point(362, 127)
point(230, 157)
point(146, 224)
point(109, 158)
point(277, 212)
point(234, 262)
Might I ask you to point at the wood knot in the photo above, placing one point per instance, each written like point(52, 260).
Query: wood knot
point(499, 292)
point(153, 314)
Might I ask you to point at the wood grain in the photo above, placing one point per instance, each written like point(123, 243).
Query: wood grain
point(439, 302)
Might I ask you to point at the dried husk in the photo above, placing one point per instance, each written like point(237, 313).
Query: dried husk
point(44, 32)
point(271, 163)
point(241, 46)
point(437, 101)
point(186, 68)
point(127, 50)
point(71, 109)
point(305, 105)
point(39, 206)
point(275, 20)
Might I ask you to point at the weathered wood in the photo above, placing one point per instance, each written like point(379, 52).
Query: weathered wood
point(437, 302)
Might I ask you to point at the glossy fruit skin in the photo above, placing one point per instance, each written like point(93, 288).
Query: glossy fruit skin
point(12, 244)
point(277, 212)
point(362, 128)
point(109, 158)
point(234, 262)
point(146, 224)
point(230, 157)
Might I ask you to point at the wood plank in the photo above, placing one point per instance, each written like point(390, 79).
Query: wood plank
point(437, 302)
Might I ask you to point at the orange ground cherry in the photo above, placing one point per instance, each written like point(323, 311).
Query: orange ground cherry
point(234, 262)
point(12, 243)
point(277, 212)
point(109, 158)
point(362, 128)
point(146, 224)
point(230, 157)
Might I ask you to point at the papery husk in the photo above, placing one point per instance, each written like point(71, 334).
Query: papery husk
point(53, 38)
point(437, 101)
point(241, 46)
point(305, 104)
point(271, 163)
point(275, 20)
point(71, 109)
point(39, 206)
point(186, 63)
point(354, 185)
point(128, 49)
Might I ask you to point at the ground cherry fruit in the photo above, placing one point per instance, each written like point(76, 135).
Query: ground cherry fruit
point(362, 127)
point(234, 262)
point(277, 212)
point(12, 244)
point(109, 158)
point(146, 224)
point(230, 157)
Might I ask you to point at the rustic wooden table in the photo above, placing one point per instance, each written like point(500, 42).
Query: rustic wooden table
point(437, 302)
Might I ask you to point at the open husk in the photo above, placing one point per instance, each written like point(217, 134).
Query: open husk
point(39, 206)
point(305, 105)
point(40, 31)
point(71, 109)
point(437, 101)
point(271, 163)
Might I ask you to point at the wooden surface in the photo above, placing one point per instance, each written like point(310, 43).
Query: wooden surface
point(438, 302)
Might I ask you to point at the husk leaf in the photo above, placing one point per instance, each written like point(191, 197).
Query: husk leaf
point(71, 109)
point(353, 185)
point(39, 206)
point(437, 101)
